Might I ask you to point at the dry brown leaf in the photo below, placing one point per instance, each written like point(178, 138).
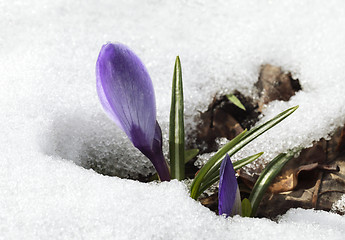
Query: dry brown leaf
point(308, 160)
point(274, 84)
point(317, 188)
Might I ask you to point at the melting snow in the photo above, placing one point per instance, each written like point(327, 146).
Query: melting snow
point(52, 123)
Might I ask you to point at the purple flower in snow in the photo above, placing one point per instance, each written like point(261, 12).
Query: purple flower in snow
point(229, 199)
point(125, 90)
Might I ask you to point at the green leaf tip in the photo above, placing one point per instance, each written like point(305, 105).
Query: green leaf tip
point(190, 154)
point(241, 163)
point(246, 208)
point(232, 98)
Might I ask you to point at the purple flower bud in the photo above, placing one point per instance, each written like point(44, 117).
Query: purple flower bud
point(126, 93)
point(229, 199)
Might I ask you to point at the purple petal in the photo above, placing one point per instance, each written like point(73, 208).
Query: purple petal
point(126, 93)
point(155, 154)
point(237, 207)
point(229, 200)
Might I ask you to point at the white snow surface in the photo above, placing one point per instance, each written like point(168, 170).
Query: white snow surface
point(51, 121)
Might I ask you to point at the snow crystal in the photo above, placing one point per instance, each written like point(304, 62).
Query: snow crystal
point(339, 206)
point(53, 127)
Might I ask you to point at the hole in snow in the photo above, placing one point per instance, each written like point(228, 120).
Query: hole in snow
point(223, 119)
point(93, 142)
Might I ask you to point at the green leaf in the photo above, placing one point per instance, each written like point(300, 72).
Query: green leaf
point(213, 160)
point(232, 147)
point(246, 208)
point(237, 165)
point(254, 133)
point(176, 126)
point(190, 154)
point(266, 177)
point(232, 98)
point(240, 163)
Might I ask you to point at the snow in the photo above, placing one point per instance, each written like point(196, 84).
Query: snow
point(52, 123)
point(339, 206)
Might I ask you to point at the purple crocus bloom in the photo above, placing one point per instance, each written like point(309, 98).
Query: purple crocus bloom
point(125, 90)
point(229, 199)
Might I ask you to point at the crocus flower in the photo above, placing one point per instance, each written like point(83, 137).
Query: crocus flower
point(229, 199)
point(126, 93)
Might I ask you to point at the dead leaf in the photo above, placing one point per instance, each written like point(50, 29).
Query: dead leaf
point(308, 160)
point(274, 84)
point(316, 188)
point(224, 119)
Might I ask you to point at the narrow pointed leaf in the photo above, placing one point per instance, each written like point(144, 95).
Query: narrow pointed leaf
point(246, 208)
point(176, 127)
point(232, 98)
point(240, 163)
point(266, 177)
point(190, 154)
point(234, 146)
point(254, 133)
